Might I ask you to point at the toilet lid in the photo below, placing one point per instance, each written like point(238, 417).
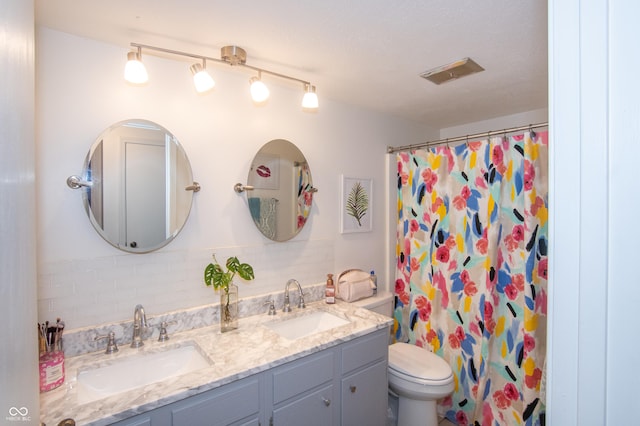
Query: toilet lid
point(417, 362)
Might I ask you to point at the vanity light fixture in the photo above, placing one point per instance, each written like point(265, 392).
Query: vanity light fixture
point(230, 55)
point(310, 98)
point(259, 90)
point(134, 70)
point(201, 78)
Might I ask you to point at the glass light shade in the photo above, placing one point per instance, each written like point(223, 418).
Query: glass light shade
point(310, 98)
point(201, 78)
point(259, 90)
point(134, 70)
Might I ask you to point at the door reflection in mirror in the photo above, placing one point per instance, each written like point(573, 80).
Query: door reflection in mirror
point(139, 172)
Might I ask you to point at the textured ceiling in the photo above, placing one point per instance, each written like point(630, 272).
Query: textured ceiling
point(362, 52)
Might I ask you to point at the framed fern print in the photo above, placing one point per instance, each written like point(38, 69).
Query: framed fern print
point(355, 209)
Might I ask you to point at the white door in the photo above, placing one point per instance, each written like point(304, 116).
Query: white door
point(145, 190)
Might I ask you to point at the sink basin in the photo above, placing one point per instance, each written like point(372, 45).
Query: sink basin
point(305, 325)
point(138, 370)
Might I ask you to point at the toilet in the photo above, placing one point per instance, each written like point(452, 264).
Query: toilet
point(417, 376)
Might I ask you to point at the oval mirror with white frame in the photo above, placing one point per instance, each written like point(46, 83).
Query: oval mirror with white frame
point(137, 186)
point(279, 190)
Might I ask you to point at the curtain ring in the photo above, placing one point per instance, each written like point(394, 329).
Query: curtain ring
point(532, 132)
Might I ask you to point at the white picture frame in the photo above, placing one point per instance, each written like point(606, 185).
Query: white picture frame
point(356, 201)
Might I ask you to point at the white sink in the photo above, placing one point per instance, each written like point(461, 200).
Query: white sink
point(138, 370)
point(305, 325)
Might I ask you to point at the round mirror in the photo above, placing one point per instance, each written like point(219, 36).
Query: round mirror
point(280, 190)
point(137, 186)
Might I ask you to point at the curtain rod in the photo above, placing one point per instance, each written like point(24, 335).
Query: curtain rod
point(392, 149)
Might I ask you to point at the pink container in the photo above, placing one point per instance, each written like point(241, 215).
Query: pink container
point(51, 370)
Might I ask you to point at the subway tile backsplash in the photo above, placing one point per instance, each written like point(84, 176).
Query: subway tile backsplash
point(91, 292)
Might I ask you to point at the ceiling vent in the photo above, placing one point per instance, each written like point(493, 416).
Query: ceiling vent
point(452, 71)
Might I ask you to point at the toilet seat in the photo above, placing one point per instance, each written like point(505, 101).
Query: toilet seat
point(419, 380)
point(418, 365)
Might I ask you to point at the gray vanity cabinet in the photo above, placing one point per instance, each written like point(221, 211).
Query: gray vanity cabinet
point(234, 404)
point(364, 381)
point(303, 391)
point(342, 386)
point(237, 404)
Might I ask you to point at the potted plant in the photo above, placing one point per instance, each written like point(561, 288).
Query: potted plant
point(219, 278)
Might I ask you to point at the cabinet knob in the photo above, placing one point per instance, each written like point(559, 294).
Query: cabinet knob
point(353, 389)
point(326, 401)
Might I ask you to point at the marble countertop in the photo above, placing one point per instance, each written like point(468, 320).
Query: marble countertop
point(250, 349)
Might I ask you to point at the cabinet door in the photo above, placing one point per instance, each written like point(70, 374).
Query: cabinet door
point(236, 403)
point(315, 409)
point(364, 396)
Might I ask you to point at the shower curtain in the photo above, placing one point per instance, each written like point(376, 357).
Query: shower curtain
point(471, 277)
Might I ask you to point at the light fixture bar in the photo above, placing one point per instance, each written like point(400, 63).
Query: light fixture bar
point(222, 61)
point(275, 74)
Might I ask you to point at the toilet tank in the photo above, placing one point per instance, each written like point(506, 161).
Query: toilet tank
point(381, 303)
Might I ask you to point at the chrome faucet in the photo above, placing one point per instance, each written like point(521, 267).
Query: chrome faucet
point(139, 326)
point(287, 306)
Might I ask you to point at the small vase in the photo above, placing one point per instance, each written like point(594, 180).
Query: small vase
point(229, 308)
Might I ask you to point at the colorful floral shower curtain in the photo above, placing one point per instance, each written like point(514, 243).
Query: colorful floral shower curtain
point(471, 278)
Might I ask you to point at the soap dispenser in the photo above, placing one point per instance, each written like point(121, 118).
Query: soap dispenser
point(330, 291)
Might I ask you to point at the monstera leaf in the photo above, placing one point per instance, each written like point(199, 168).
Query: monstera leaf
point(215, 276)
point(357, 202)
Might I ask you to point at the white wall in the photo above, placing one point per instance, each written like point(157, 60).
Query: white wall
point(494, 124)
point(19, 398)
point(80, 92)
point(593, 346)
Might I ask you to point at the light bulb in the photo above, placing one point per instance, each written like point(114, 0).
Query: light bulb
point(201, 78)
point(259, 90)
point(134, 70)
point(310, 98)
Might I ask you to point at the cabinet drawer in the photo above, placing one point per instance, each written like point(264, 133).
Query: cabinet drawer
point(303, 375)
point(365, 351)
point(141, 420)
point(230, 404)
point(315, 409)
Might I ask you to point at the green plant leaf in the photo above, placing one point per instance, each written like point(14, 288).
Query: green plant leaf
point(215, 276)
point(233, 264)
point(357, 202)
point(245, 271)
point(208, 274)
